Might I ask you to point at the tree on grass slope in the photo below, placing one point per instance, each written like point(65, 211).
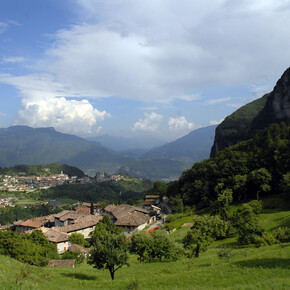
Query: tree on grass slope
point(204, 231)
point(109, 247)
point(245, 222)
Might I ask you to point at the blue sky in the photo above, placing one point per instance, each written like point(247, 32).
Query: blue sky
point(156, 68)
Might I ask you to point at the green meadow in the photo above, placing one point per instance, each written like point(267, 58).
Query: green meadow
point(252, 268)
point(248, 267)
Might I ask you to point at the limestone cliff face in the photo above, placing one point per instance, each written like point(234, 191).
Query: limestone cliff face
point(281, 97)
point(250, 119)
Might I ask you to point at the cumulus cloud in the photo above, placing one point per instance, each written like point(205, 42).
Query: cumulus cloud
point(180, 124)
point(150, 123)
point(64, 115)
point(217, 101)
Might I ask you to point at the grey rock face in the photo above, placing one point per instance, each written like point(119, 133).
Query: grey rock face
point(281, 97)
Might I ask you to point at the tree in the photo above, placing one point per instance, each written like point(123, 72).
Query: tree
point(140, 245)
point(222, 205)
point(109, 247)
point(159, 188)
point(285, 185)
point(78, 239)
point(245, 222)
point(176, 204)
point(261, 179)
point(109, 252)
point(204, 231)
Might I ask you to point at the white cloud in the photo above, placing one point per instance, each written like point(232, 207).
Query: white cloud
point(137, 50)
point(76, 117)
point(149, 123)
point(214, 122)
point(217, 101)
point(238, 105)
point(180, 124)
point(5, 25)
point(153, 108)
point(14, 59)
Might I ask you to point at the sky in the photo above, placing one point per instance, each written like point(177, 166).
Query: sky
point(153, 68)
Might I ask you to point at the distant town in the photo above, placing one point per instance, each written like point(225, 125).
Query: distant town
point(9, 183)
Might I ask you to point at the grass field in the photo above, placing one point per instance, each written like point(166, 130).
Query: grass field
point(248, 268)
point(253, 268)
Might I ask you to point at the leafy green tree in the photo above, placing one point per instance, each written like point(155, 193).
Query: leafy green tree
point(204, 231)
point(140, 245)
point(240, 186)
point(261, 179)
point(222, 205)
point(109, 252)
point(109, 247)
point(176, 204)
point(78, 239)
point(285, 185)
point(159, 188)
point(245, 222)
point(162, 247)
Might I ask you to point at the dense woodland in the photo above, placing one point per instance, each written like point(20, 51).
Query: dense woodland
point(130, 188)
point(251, 169)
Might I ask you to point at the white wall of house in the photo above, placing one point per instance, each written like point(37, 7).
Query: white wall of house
point(85, 232)
point(62, 247)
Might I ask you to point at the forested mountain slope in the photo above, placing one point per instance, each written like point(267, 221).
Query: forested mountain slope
point(252, 118)
point(250, 169)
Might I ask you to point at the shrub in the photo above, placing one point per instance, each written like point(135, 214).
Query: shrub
point(265, 240)
point(225, 253)
point(256, 205)
point(282, 234)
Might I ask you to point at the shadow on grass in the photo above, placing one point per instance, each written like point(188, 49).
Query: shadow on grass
point(80, 276)
point(267, 263)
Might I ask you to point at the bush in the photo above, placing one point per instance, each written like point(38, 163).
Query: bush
point(265, 240)
point(282, 234)
point(225, 253)
point(256, 205)
point(77, 255)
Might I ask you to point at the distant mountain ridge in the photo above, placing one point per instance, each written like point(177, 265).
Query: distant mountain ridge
point(23, 145)
point(26, 145)
point(252, 118)
point(194, 146)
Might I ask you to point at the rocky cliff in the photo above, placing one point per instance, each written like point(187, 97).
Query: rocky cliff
point(250, 119)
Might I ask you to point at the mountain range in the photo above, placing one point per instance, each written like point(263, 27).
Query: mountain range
point(31, 146)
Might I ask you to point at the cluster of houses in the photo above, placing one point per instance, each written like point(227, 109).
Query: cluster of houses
point(31, 183)
point(6, 201)
point(83, 219)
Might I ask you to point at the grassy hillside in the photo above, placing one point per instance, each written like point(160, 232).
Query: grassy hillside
point(248, 268)
point(263, 268)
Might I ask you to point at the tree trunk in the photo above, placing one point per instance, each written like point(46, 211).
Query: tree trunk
point(112, 272)
point(197, 250)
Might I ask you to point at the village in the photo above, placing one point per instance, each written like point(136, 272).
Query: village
point(83, 219)
point(9, 183)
